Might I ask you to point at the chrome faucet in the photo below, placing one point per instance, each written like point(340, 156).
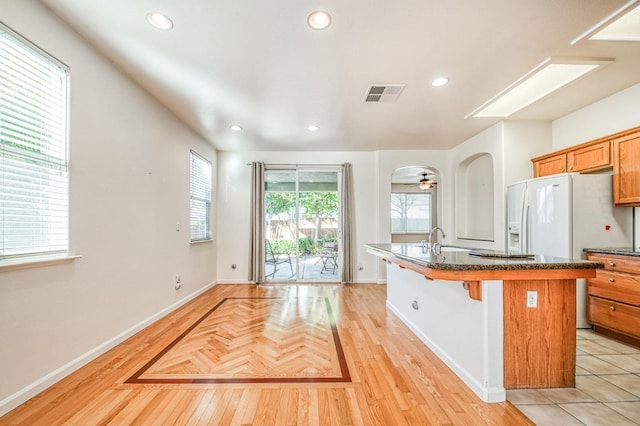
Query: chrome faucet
point(435, 247)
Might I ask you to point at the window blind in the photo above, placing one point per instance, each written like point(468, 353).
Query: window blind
point(200, 198)
point(34, 197)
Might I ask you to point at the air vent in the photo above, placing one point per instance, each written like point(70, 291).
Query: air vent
point(387, 93)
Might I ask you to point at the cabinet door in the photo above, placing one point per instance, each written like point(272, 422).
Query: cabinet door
point(626, 170)
point(591, 157)
point(550, 165)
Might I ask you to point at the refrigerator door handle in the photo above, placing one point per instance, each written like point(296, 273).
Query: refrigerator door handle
point(525, 230)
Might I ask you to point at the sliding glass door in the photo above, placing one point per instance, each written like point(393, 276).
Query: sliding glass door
point(302, 224)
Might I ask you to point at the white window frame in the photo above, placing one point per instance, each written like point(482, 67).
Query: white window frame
point(34, 147)
point(200, 178)
point(404, 221)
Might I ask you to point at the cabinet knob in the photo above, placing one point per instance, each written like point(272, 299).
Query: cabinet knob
point(613, 280)
point(612, 308)
point(562, 169)
point(612, 264)
point(571, 168)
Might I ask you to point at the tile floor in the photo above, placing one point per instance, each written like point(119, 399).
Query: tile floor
point(607, 388)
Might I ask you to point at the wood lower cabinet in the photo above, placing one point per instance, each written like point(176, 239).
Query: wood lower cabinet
point(614, 294)
point(626, 170)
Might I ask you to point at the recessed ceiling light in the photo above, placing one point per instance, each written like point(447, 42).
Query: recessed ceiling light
point(313, 128)
point(549, 76)
point(235, 127)
point(319, 20)
point(440, 81)
point(159, 20)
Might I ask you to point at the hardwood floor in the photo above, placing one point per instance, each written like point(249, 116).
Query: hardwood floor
point(261, 353)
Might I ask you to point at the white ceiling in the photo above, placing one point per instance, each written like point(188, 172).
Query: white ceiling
point(257, 64)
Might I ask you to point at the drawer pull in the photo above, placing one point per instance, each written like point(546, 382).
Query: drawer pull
point(612, 264)
point(612, 308)
point(613, 280)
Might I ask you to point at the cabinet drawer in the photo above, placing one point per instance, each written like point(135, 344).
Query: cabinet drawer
point(617, 263)
point(616, 286)
point(591, 157)
point(615, 316)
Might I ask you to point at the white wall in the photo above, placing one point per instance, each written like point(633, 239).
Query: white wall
point(234, 177)
point(489, 141)
point(129, 187)
point(610, 115)
point(511, 145)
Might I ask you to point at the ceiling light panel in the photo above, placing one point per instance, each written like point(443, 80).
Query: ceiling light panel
point(543, 80)
point(626, 28)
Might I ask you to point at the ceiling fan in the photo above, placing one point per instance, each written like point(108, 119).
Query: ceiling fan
point(422, 178)
point(426, 183)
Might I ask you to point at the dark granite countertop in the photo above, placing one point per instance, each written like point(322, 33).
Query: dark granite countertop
point(458, 259)
point(622, 251)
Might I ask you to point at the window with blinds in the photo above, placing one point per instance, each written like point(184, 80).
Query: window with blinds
point(200, 198)
point(34, 200)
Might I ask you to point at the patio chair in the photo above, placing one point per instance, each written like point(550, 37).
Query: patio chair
point(329, 257)
point(275, 259)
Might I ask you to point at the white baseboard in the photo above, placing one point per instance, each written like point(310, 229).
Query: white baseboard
point(483, 392)
point(24, 394)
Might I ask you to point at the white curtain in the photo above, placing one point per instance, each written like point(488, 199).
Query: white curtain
point(347, 215)
point(256, 243)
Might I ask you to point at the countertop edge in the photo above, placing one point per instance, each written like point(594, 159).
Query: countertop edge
point(620, 251)
point(497, 265)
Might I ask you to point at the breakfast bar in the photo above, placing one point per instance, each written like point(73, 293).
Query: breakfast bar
point(499, 321)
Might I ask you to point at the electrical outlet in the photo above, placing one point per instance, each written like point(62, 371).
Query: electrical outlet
point(532, 299)
point(360, 267)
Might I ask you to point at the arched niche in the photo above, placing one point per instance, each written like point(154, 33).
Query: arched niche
point(474, 199)
point(413, 209)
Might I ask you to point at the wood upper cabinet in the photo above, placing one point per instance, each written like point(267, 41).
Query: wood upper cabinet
point(550, 165)
point(591, 157)
point(587, 157)
point(620, 150)
point(626, 170)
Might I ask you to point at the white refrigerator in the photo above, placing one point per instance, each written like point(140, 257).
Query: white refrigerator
point(562, 214)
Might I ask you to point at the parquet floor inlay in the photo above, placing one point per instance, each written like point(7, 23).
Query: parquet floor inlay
point(254, 340)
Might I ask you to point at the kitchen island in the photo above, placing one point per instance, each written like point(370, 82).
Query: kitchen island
point(498, 322)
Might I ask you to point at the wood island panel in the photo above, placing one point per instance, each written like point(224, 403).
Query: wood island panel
point(539, 350)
